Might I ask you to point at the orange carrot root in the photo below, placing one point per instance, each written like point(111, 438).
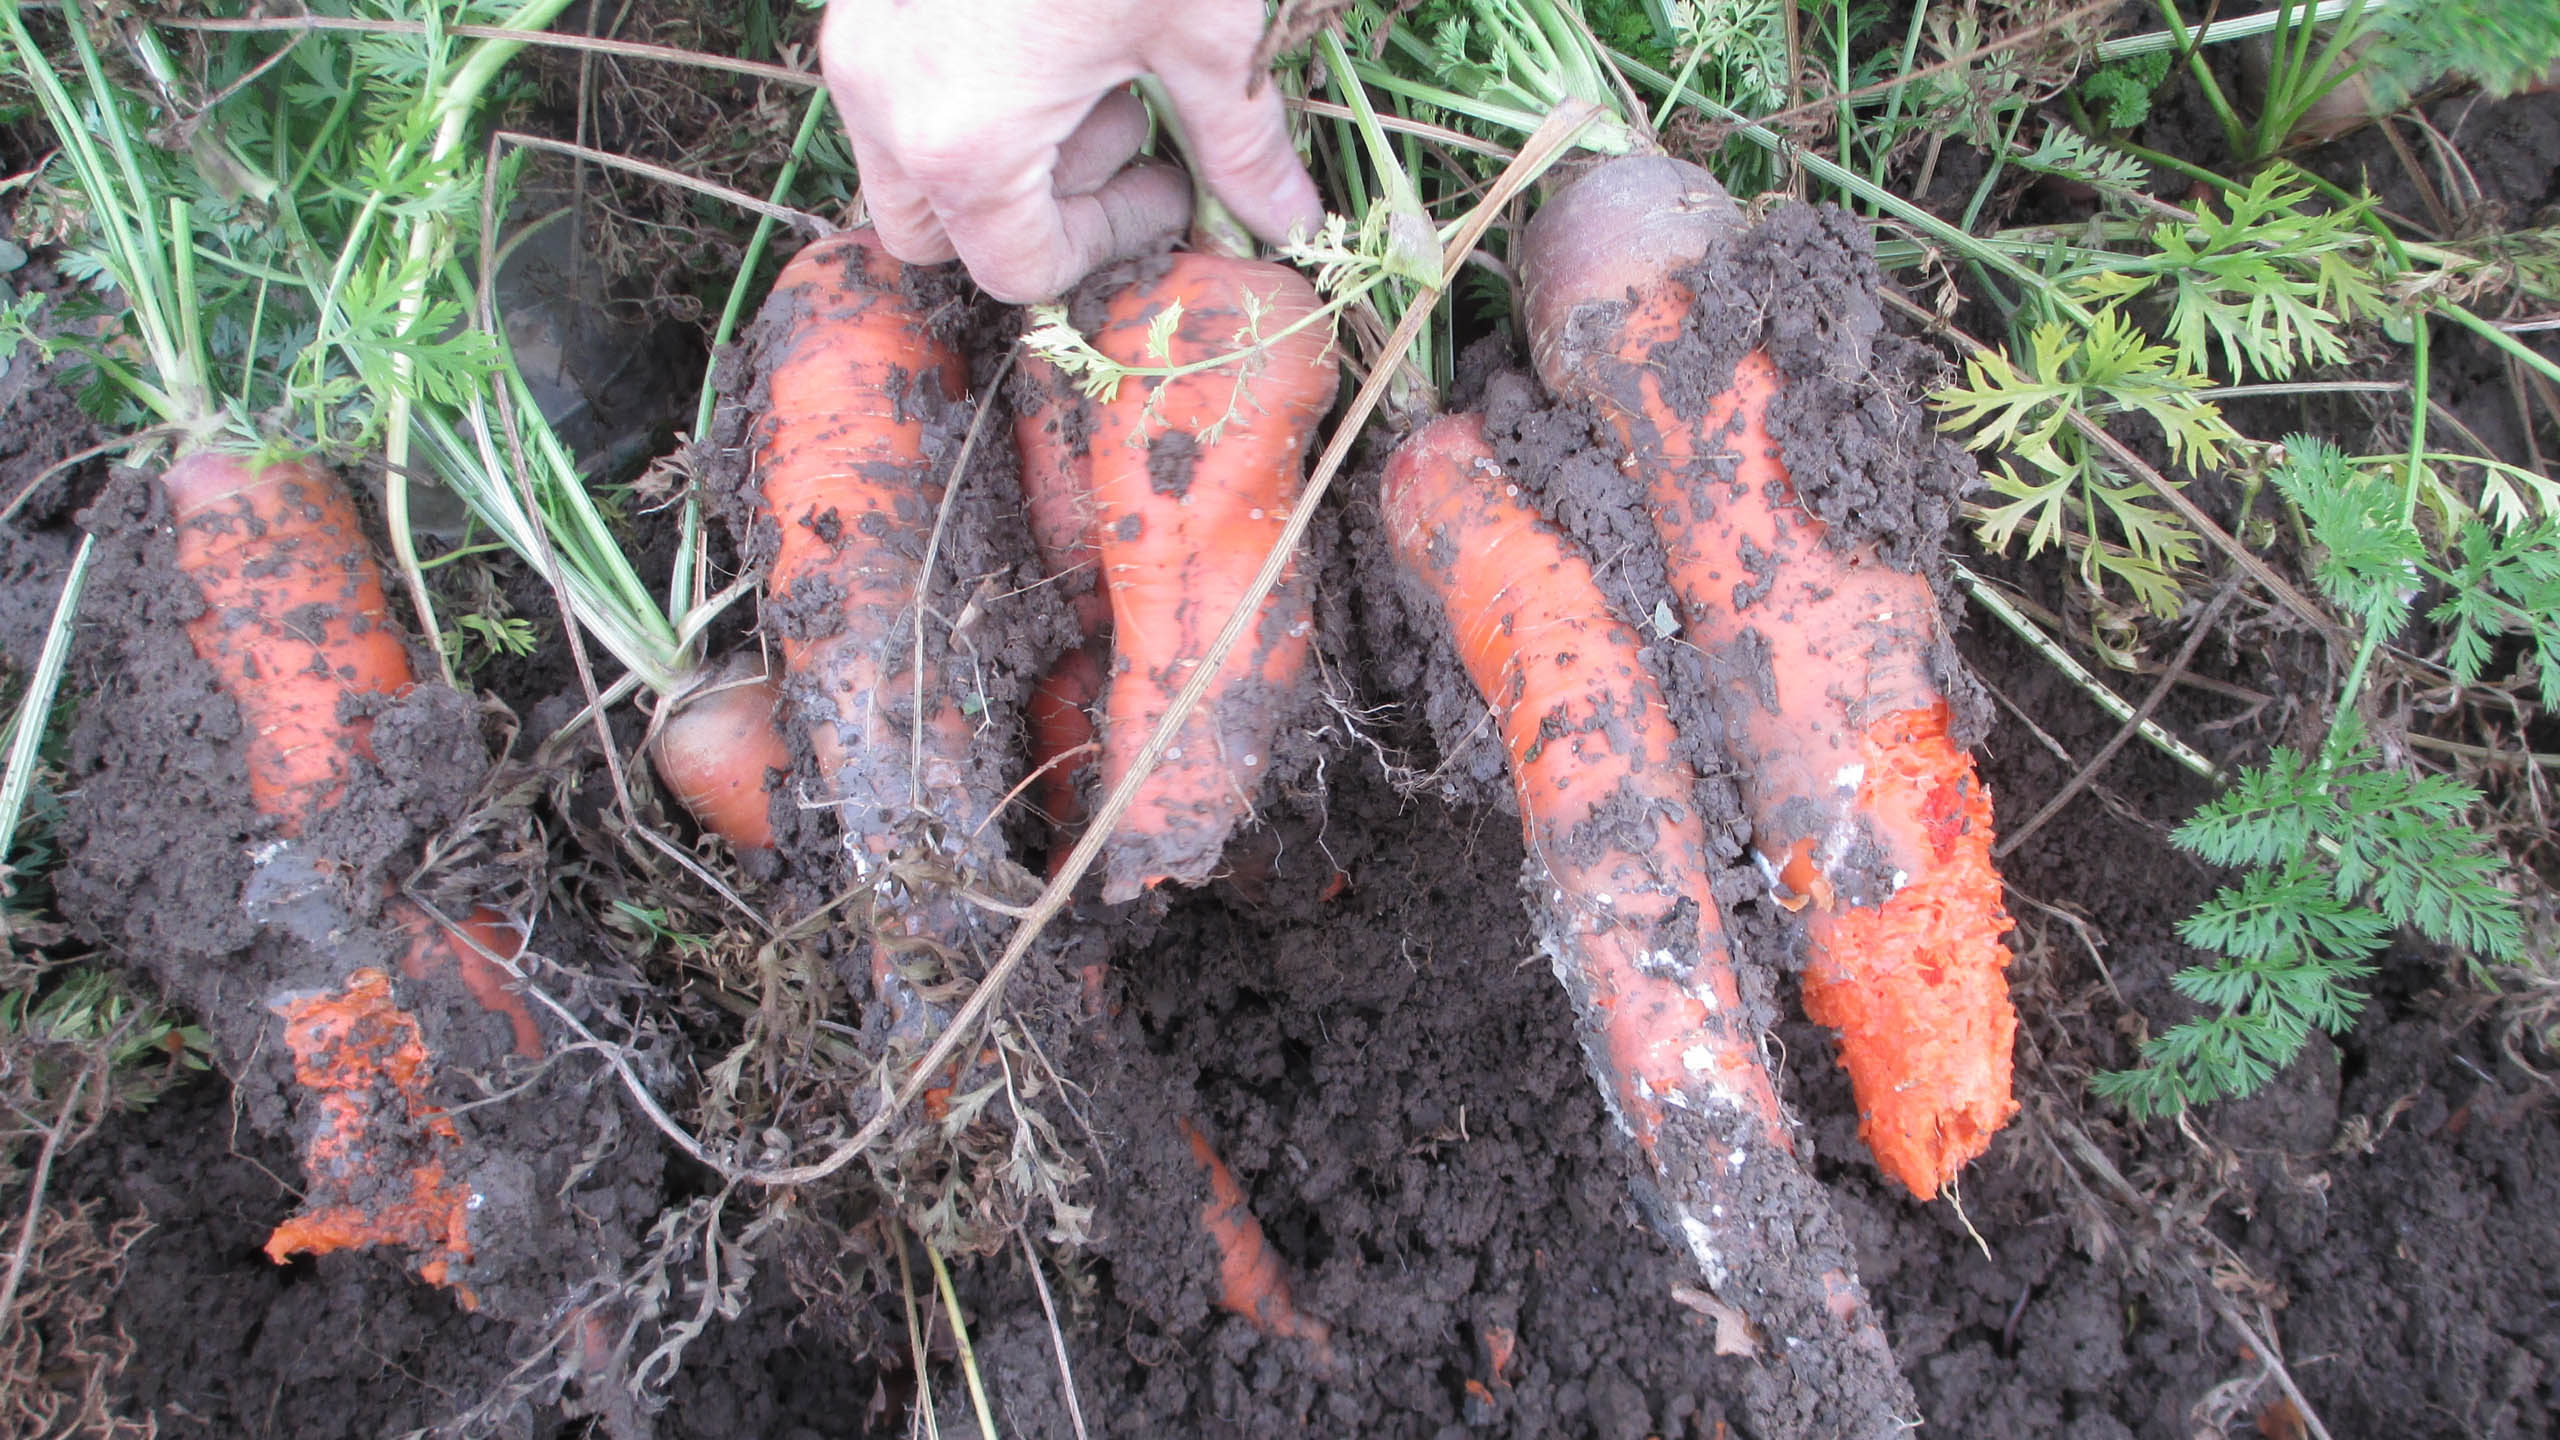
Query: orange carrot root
point(1608, 811)
point(852, 365)
point(1253, 1282)
point(1182, 525)
point(1053, 437)
point(1061, 723)
point(296, 627)
point(294, 620)
point(718, 749)
point(1819, 657)
point(379, 1133)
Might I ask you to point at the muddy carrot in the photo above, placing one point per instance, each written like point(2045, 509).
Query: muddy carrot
point(1869, 819)
point(1053, 439)
point(1253, 1281)
point(853, 367)
point(1609, 813)
point(1193, 479)
point(296, 627)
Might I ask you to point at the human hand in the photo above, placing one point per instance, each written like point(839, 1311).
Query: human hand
point(1000, 131)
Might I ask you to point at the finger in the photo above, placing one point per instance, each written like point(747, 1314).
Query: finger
point(1240, 142)
point(1025, 244)
point(1104, 142)
point(899, 211)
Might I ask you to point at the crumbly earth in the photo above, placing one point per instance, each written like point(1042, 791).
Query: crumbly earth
point(1396, 1084)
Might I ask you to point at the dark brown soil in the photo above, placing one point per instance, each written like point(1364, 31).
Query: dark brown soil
point(1389, 1070)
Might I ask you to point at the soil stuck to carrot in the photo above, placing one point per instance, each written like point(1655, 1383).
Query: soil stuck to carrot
point(166, 861)
point(1401, 1097)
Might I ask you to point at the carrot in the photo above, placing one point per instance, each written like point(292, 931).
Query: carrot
point(1618, 866)
point(1053, 437)
point(844, 475)
point(1869, 818)
point(718, 748)
point(1193, 478)
point(1253, 1281)
point(297, 630)
point(1061, 719)
point(1607, 809)
point(853, 367)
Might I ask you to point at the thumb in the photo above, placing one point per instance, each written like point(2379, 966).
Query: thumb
point(1239, 142)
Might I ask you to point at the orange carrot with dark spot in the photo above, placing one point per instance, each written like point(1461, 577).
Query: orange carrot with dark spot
point(1193, 480)
point(1868, 817)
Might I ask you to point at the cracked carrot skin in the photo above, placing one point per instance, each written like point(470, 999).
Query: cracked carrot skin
point(1870, 821)
point(1607, 809)
point(1182, 524)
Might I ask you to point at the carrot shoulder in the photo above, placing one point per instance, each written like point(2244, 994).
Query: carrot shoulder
point(1870, 819)
point(1193, 479)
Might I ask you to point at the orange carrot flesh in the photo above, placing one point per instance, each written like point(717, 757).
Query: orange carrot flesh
point(1606, 808)
point(294, 620)
point(1182, 525)
point(1061, 721)
point(378, 1163)
point(717, 750)
point(842, 466)
point(1871, 822)
point(1253, 1283)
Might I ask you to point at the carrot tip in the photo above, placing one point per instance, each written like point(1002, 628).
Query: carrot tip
point(1917, 986)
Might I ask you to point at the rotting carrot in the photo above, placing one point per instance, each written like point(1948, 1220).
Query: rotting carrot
point(1866, 815)
point(297, 630)
point(718, 749)
point(1193, 479)
point(1253, 1281)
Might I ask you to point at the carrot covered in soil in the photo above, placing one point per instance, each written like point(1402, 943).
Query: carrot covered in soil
point(1869, 817)
point(1253, 1281)
point(297, 629)
point(1622, 888)
point(1053, 438)
point(853, 367)
point(1607, 809)
point(1193, 478)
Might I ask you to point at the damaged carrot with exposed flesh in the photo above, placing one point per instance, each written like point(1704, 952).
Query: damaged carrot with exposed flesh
point(1194, 476)
point(298, 633)
point(1870, 820)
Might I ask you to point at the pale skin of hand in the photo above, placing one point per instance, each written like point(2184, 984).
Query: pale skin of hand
point(1000, 132)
